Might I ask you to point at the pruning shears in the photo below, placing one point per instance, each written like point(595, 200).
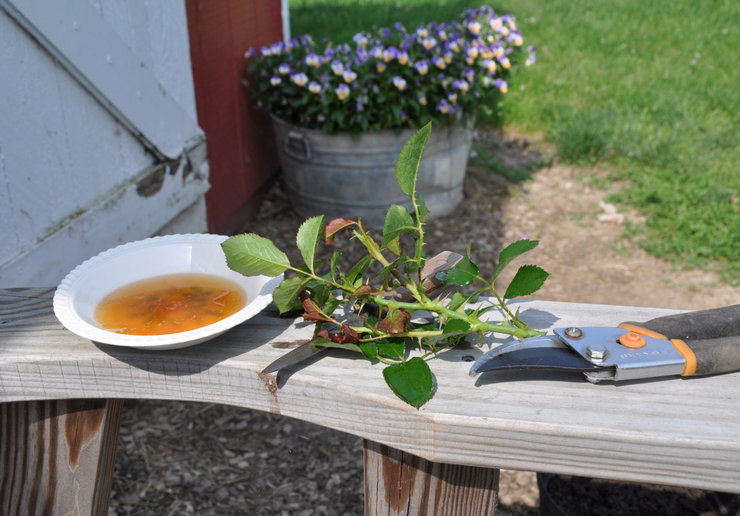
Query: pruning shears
point(697, 343)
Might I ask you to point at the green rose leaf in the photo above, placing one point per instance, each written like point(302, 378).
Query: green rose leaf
point(396, 264)
point(457, 301)
point(392, 348)
point(407, 164)
point(336, 273)
point(527, 280)
point(370, 244)
point(320, 291)
point(331, 304)
point(422, 207)
point(308, 237)
point(354, 275)
point(398, 221)
point(412, 381)
point(252, 255)
point(286, 294)
point(456, 326)
point(322, 342)
point(463, 273)
point(510, 252)
point(370, 350)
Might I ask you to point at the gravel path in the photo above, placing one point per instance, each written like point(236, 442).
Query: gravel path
point(184, 458)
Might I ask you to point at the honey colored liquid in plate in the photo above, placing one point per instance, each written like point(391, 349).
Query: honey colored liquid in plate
point(169, 304)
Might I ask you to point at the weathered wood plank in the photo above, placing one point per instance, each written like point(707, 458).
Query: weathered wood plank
point(673, 431)
point(401, 484)
point(57, 457)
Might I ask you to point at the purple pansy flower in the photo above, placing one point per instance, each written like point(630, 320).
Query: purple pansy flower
point(313, 60)
point(361, 39)
point(461, 85)
point(337, 67)
point(444, 106)
point(300, 79)
point(342, 91)
point(422, 67)
point(439, 62)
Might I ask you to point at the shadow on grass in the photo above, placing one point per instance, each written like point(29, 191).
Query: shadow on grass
point(514, 159)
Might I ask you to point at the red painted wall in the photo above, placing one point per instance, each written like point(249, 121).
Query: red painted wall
point(241, 151)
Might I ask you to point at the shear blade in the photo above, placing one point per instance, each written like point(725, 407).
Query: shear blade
point(549, 358)
point(544, 342)
point(547, 352)
point(293, 357)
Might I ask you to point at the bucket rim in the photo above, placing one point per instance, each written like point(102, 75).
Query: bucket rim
point(467, 125)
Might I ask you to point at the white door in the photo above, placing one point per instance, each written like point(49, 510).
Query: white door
point(99, 143)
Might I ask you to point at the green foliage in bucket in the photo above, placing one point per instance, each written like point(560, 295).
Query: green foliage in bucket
point(394, 79)
point(381, 325)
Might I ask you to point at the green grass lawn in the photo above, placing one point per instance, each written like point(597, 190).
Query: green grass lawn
point(647, 87)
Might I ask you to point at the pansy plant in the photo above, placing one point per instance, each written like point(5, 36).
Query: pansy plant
point(395, 68)
point(384, 326)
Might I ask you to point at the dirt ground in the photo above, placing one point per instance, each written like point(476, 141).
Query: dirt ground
point(182, 458)
point(581, 237)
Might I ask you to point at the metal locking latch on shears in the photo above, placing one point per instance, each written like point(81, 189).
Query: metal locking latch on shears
point(694, 343)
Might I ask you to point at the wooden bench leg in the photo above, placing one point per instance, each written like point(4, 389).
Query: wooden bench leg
point(57, 457)
point(398, 483)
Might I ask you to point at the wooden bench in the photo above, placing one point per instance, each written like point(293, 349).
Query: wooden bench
point(61, 399)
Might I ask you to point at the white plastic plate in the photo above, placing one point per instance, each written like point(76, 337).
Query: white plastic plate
point(80, 292)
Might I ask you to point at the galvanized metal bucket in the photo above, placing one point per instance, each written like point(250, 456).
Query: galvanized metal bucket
point(338, 175)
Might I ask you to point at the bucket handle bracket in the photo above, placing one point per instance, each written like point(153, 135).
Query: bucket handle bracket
point(301, 140)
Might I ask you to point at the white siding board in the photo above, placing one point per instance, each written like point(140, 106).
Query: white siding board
point(68, 166)
point(121, 216)
point(170, 59)
point(155, 32)
point(9, 234)
point(103, 62)
point(62, 150)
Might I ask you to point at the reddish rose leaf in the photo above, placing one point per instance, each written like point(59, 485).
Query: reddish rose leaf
point(350, 334)
point(345, 335)
point(364, 290)
point(395, 322)
point(335, 226)
point(313, 313)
